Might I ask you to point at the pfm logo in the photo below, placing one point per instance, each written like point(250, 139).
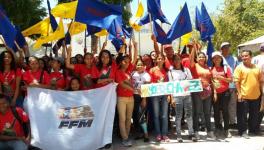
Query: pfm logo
point(78, 117)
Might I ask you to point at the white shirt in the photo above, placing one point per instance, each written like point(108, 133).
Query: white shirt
point(259, 61)
point(177, 75)
point(139, 79)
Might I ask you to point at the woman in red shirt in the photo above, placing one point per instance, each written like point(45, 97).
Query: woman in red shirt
point(83, 70)
point(201, 100)
point(57, 80)
point(10, 77)
point(160, 103)
point(104, 71)
point(221, 78)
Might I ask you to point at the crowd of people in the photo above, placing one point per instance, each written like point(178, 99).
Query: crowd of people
point(231, 87)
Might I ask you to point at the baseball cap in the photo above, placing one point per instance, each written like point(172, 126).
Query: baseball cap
point(216, 53)
point(224, 44)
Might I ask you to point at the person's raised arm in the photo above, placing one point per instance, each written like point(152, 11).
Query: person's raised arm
point(68, 58)
point(155, 44)
point(193, 54)
point(134, 60)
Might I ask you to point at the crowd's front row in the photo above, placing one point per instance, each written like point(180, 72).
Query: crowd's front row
point(89, 72)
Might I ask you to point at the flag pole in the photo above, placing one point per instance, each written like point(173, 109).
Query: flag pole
point(150, 21)
point(85, 44)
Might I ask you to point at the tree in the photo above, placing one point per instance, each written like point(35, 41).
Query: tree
point(239, 21)
point(24, 13)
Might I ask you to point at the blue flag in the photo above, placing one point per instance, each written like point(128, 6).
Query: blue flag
point(92, 30)
point(7, 30)
point(160, 35)
point(127, 31)
point(96, 13)
point(198, 19)
point(20, 39)
point(59, 43)
point(117, 43)
point(53, 21)
point(115, 30)
point(210, 50)
point(181, 25)
point(207, 27)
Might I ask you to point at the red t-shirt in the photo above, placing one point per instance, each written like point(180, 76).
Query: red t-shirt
point(158, 75)
point(28, 77)
point(168, 63)
point(122, 76)
point(85, 76)
point(220, 85)
point(186, 62)
point(8, 122)
point(8, 81)
point(104, 73)
point(57, 80)
point(203, 73)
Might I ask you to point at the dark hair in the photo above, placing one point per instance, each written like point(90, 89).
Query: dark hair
point(120, 58)
point(100, 63)
point(221, 64)
point(248, 51)
point(199, 53)
point(73, 78)
point(174, 57)
point(13, 62)
point(5, 97)
point(86, 54)
point(164, 65)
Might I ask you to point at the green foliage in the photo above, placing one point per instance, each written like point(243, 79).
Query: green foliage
point(24, 13)
point(239, 21)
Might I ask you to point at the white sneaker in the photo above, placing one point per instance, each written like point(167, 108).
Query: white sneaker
point(127, 143)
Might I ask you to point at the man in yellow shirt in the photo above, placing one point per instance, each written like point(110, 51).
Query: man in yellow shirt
point(247, 77)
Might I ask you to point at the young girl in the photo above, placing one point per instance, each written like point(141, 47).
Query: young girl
point(202, 100)
point(83, 70)
point(140, 76)
point(74, 84)
point(57, 80)
point(183, 101)
point(221, 78)
point(10, 78)
point(160, 103)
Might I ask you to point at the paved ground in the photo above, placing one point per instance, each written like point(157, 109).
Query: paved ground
point(234, 143)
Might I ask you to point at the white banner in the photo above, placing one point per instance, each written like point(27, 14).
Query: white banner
point(80, 120)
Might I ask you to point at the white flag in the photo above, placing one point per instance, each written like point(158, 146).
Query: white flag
point(81, 120)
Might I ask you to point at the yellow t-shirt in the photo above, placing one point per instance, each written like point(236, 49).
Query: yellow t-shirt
point(249, 80)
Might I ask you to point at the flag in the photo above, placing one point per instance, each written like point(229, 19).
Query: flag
point(185, 39)
point(127, 31)
point(7, 30)
point(91, 30)
point(117, 43)
point(198, 19)
point(41, 27)
point(58, 34)
point(53, 21)
point(20, 39)
point(207, 27)
point(97, 13)
point(65, 10)
point(134, 23)
point(154, 8)
point(210, 50)
point(59, 43)
point(76, 28)
point(182, 24)
point(102, 33)
point(140, 10)
point(115, 30)
point(135, 20)
point(160, 35)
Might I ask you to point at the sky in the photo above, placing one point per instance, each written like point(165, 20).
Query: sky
point(171, 8)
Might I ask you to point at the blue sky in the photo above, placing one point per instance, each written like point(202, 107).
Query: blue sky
point(171, 8)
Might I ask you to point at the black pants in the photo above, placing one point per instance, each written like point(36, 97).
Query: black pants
point(253, 109)
point(221, 105)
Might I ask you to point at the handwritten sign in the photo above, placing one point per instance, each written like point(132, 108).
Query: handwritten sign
point(168, 88)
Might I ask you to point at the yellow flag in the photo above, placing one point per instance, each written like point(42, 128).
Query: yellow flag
point(103, 32)
point(41, 27)
point(185, 39)
point(76, 28)
point(135, 25)
point(140, 10)
point(58, 34)
point(65, 10)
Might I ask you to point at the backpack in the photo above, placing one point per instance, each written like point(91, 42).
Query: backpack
point(25, 126)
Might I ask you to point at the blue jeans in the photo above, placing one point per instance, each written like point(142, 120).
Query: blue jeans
point(201, 107)
point(13, 145)
point(183, 102)
point(160, 111)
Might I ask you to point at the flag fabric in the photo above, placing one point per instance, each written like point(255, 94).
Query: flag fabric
point(58, 34)
point(127, 31)
point(210, 50)
point(74, 120)
point(117, 43)
point(160, 35)
point(198, 19)
point(103, 32)
point(154, 8)
point(91, 30)
point(97, 13)
point(7, 30)
point(182, 24)
point(65, 10)
point(207, 27)
point(53, 21)
point(41, 27)
point(59, 43)
point(134, 23)
point(20, 39)
point(185, 39)
point(76, 28)
point(115, 30)
point(135, 20)
point(140, 10)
